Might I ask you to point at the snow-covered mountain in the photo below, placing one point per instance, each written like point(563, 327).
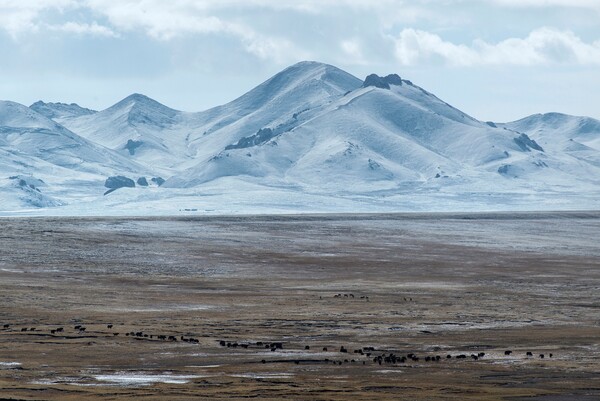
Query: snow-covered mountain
point(311, 138)
point(357, 138)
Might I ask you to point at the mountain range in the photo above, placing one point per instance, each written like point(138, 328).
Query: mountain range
point(312, 138)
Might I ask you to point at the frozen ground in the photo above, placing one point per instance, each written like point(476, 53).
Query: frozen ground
point(232, 196)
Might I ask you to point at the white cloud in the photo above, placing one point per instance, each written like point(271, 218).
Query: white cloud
point(590, 4)
point(541, 46)
point(17, 16)
point(353, 52)
point(161, 20)
point(168, 20)
point(93, 29)
point(275, 49)
point(158, 19)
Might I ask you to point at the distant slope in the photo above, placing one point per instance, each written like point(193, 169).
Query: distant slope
point(556, 130)
point(576, 140)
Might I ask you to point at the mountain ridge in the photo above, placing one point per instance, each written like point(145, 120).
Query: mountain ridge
point(311, 138)
point(60, 110)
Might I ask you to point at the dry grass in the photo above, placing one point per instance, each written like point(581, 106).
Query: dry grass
point(435, 286)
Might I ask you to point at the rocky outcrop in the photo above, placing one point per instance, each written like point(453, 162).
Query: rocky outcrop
point(118, 181)
point(132, 145)
point(158, 180)
point(382, 82)
point(393, 79)
point(526, 143)
point(263, 135)
point(376, 81)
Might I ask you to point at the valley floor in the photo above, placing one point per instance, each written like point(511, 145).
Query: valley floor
point(260, 307)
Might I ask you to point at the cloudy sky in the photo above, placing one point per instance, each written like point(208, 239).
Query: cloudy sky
point(494, 59)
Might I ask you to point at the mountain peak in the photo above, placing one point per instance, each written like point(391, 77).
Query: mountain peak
point(309, 65)
point(312, 70)
point(305, 79)
point(142, 103)
point(139, 97)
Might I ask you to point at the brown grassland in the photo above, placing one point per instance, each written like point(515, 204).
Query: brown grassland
point(428, 285)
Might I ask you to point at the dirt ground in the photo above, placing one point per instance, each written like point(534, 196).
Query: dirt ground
point(260, 307)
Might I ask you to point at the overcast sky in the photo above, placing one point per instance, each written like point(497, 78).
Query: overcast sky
point(497, 60)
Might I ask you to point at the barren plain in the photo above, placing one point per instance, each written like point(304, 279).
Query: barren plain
point(324, 307)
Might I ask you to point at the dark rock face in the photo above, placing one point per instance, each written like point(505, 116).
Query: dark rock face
point(382, 82)
point(132, 145)
point(376, 81)
point(119, 181)
point(393, 79)
point(511, 171)
point(504, 169)
point(158, 180)
point(263, 135)
point(526, 143)
point(142, 182)
point(24, 185)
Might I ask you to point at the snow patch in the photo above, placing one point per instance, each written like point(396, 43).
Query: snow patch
point(9, 365)
point(136, 379)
